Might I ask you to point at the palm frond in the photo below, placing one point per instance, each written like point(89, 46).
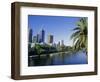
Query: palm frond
point(77, 28)
point(75, 34)
point(80, 34)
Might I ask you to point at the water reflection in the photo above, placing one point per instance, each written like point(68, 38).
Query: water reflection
point(58, 59)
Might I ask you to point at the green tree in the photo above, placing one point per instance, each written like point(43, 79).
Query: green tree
point(80, 35)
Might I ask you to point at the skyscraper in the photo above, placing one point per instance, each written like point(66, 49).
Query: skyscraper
point(58, 45)
point(30, 35)
point(34, 39)
point(42, 36)
point(50, 38)
point(62, 42)
point(37, 38)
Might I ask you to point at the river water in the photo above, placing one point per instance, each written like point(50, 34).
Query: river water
point(58, 59)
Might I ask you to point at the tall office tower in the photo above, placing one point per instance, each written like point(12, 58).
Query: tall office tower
point(37, 38)
point(50, 38)
point(58, 45)
point(42, 36)
point(30, 35)
point(62, 42)
point(34, 39)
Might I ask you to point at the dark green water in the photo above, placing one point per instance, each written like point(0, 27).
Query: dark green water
point(58, 59)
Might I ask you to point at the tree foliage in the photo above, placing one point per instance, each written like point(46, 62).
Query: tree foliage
point(80, 35)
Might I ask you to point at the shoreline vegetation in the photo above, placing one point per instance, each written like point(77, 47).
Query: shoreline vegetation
point(79, 38)
point(47, 49)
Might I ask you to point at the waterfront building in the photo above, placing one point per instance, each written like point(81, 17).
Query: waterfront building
point(30, 36)
point(42, 36)
point(37, 38)
point(34, 39)
point(50, 39)
point(62, 42)
point(58, 46)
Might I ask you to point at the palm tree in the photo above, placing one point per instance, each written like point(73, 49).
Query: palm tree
point(80, 35)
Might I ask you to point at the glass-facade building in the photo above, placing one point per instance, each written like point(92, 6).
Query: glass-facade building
point(42, 36)
point(30, 35)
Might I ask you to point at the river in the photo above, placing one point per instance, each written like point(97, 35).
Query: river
point(58, 59)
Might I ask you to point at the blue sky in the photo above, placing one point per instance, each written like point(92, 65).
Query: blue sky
point(58, 26)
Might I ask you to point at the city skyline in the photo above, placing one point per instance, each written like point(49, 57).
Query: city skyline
point(58, 26)
point(39, 37)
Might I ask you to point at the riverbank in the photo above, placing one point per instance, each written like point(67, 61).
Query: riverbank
point(50, 54)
